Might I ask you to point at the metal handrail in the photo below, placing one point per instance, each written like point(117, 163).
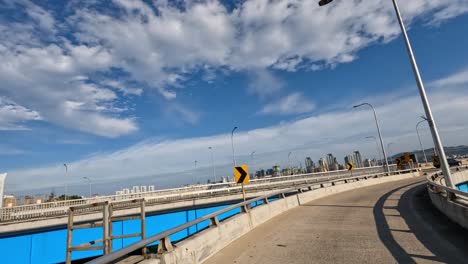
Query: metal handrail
point(164, 236)
point(431, 181)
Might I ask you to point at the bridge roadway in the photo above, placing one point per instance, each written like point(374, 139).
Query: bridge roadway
point(387, 223)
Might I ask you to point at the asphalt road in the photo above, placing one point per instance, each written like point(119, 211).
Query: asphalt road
point(387, 223)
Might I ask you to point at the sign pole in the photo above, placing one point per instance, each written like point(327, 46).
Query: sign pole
point(243, 192)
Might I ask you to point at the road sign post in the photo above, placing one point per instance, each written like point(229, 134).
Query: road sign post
point(241, 176)
point(350, 167)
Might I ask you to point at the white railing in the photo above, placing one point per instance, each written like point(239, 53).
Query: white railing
point(54, 209)
point(436, 183)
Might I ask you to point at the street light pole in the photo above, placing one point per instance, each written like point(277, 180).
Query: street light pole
point(300, 163)
point(427, 108)
point(232, 145)
point(419, 138)
point(89, 183)
point(289, 161)
point(425, 101)
point(377, 145)
point(252, 159)
point(389, 152)
point(195, 173)
point(380, 134)
point(212, 164)
point(66, 184)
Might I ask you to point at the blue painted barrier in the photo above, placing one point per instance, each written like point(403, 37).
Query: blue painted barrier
point(50, 246)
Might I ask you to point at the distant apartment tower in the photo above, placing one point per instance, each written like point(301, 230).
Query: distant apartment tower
point(358, 159)
point(330, 159)
point(310, 166)
point(332, 163)
point(323, 165)
point(369, 163)
point(349, 158)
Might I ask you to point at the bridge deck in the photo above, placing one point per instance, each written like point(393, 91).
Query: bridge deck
point(386, 223)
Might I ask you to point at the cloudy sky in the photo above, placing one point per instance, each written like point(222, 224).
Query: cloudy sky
point(126, 88)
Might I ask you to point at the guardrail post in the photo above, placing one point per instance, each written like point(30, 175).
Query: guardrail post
point(244, 209)
point(109, 227)
point(143, 224)
point(165, 245)
point(69, 236)
point(451, 196)
point(105, 228)
point(214, 221)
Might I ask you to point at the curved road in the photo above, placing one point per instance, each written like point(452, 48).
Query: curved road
point(387, 223)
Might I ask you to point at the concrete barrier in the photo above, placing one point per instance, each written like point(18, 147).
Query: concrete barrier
point(452, 203)
point(206, 243)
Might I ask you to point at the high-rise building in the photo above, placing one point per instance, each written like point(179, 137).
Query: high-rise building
point(309, 164)
point(330, 159)
point(332, 163)
point(349, 158)
point(323, 165)
point(358, 159)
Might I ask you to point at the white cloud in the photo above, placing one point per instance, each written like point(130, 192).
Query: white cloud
point(338, 132)
point(161, 46)
point(456, 79)
point(264, 83)
point(12, 115)
point(254, 36)
point(294, 103)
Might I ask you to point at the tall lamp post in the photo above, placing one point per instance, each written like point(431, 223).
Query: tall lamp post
point(378, 130)
point(376, 144)
point(195, 172)
point(232, 145)
point(427, 108)
point(89, 184)
point(212, 164)
point(419, 138)
point(66, 184)
point(252, 160)
point(389, 152)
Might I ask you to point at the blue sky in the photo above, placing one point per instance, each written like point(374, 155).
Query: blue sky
point(140, 88)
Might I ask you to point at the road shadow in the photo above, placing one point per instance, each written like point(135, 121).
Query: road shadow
point(445, 239)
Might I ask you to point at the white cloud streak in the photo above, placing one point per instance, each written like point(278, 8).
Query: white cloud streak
point(338, 132)
point(294, 103)
point(12, 115)
point(159, 46)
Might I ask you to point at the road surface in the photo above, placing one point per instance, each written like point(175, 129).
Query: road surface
point(387, 223)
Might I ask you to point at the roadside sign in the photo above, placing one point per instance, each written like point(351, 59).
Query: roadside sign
point(407, 157)
point(241, 174)
point(350, 166)
point(398, 161)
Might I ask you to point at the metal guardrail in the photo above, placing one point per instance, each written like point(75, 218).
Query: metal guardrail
point(450, 193)
point(57, 209)
point(165, 244)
